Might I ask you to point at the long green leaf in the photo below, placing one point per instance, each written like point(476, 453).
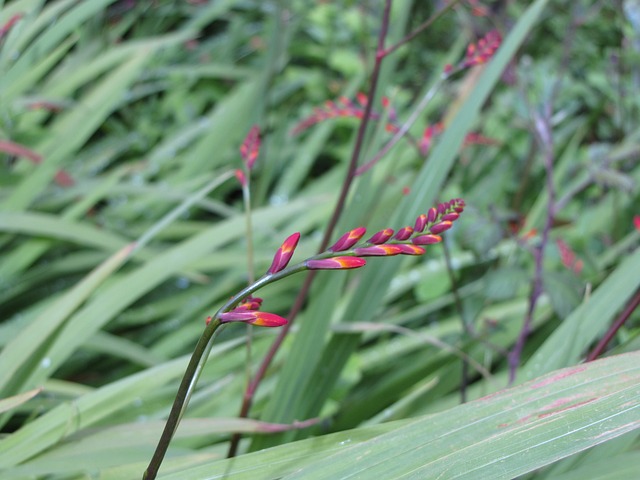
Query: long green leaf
point(497, 437)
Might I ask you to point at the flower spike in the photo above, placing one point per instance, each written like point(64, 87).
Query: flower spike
point(284, 254)
point(336, 263)
point(251, 147)
point(348, 240)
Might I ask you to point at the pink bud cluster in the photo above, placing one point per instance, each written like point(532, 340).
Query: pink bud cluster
point(348, 252)
point(478, 53)
point(345, 108)
point(249, 151)
point(247, 312)
point(432, 131)
point(406, 241)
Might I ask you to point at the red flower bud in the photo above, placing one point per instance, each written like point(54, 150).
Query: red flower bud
point(260, 319)
point(251, 303)
point(336, 263)
point(348, 240)
point(378, 250)
point(284, 254)
point(382, 236)
point(421, 222)
point(404, 233)
point(431, 216)
point(426, 239)
point(410, 249)
point(450, 216)
point(441, 227)
point(237, 316)
point(266, 319)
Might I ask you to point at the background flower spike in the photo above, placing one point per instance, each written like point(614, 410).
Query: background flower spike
point(250, 148)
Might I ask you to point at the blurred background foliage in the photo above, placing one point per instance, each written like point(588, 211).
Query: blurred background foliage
point(120, 122)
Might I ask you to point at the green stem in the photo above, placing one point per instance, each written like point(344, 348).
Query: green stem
point(246, 196)
point(197, 362)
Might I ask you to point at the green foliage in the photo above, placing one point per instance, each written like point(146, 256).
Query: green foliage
point(122, 227)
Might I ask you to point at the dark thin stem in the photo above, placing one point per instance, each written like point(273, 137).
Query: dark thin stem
point(420, 29)
point(544, 137)
point(403, 130)
point(620, 321)
point(337, 212)
point(465, 328)
point(543, 133)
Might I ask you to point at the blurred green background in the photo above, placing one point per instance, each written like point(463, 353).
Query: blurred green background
point(122, 227)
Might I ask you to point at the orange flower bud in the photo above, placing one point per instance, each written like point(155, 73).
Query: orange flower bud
point(336, 263)
point(284, 254)
point(348, 240)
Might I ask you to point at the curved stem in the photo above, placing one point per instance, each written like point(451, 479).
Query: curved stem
point(189, 380)
point(196, 364)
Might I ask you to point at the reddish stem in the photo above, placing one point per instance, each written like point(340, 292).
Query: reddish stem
point(420, 29)
point(620, 321)
point(544, 136)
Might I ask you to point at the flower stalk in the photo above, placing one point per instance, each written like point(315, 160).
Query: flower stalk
point(344, 254)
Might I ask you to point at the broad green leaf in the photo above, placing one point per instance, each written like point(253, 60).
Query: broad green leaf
point(500, 436)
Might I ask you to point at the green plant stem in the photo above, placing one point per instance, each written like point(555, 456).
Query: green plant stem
point(246, 197)
point(197, 362)
point(191, 375)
